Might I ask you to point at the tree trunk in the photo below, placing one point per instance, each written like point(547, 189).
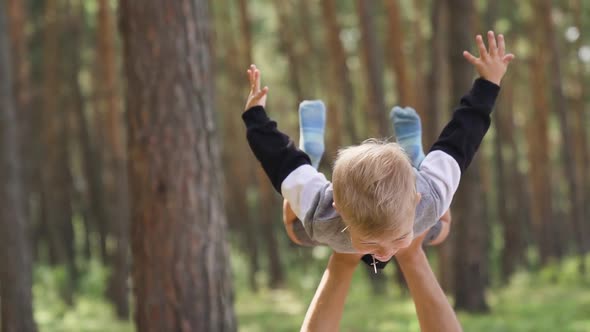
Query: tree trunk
point(419, 45)
point(341, 92)
point(567, 144)
point(16, 313)
point(507, 200)
point(116, 163)
point(22, 91)
point(397, 58)
point(581, 118)
point(183, 282)
point(56, 176)
point(373, 65)
point(288, 46)
point(267, 215)
point(241, 175)
point(437, 83)
point(539, 161)
point(471, 264)
point(439, 69)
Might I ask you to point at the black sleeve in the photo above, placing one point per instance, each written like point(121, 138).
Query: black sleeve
point(463, 134)
point(276, 152)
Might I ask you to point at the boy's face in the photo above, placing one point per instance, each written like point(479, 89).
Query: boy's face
point(386, 245)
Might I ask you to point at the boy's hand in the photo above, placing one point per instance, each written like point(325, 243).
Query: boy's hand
point(257, 97)
point(491, 64)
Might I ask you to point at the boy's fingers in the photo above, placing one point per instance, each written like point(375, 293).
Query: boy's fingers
point(470, 57)
point(256, 80)
point(492, 43)
point(259, 95)
point(250, 79)
point(508, 58)
point(501, 45)
point(263, 92)
point(481, 46)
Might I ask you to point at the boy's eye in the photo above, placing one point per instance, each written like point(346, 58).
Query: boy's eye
point(369, 243)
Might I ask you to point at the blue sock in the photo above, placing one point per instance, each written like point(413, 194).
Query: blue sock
point(408, 132)
point(312, 122)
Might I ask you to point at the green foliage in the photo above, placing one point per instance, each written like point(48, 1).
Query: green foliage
point(91, 311)
point(531, 302)
point(556, 298)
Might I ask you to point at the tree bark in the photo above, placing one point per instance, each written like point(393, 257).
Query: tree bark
point(15, 254)
point(181, 270)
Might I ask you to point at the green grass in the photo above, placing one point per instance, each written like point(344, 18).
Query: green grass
point(553, 299)
point(525, 305)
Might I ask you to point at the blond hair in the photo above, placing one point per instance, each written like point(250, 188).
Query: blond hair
point(374, 187)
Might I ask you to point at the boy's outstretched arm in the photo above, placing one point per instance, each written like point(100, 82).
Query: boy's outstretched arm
point(278, 154)
point(457, 144)
point(463, 134)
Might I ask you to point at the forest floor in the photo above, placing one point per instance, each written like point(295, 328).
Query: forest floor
point(555, 298)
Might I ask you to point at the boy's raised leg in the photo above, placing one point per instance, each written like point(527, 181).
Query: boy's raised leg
point(312, 124)
point(408, 132)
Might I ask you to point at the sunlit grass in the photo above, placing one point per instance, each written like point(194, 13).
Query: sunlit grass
point(555, 298)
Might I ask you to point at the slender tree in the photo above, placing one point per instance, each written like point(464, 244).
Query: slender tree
point(373, 64)
point(341, 93)
point(115, 156)
point(15, 254)
point(469, 225)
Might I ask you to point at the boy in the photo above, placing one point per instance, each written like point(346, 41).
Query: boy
point(407, 126)
point(377, 202)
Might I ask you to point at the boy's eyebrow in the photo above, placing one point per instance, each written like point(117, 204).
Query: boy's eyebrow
point(403, 236)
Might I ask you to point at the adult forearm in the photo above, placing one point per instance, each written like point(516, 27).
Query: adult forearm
point(432, 306)
point(325, 311)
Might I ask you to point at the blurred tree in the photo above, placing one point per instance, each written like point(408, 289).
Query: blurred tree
point(469, 224)
point(582, 151)
point(508, 197)
point(181, 271)
point(397, 58)
point(16, 313)
point(371, 54)
point(565, 118)
point(287, 44)
point(438, 82)
point(91, 204)
point(341, 93)
point(542, 212)
point(116, 190)
point(19, 39)
point(237, 148)
point(56, 174)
